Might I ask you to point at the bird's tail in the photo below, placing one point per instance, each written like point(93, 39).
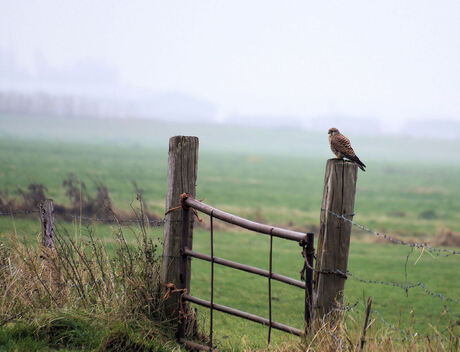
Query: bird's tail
point(359, 162)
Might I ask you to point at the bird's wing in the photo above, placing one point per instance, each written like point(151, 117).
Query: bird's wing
point(342, 144)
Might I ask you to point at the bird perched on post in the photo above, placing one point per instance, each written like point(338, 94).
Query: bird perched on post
point(341, 147)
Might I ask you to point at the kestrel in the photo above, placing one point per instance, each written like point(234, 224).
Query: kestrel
point(341, 147)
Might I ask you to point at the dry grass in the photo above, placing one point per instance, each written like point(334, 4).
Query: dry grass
point(446, 237)
point(78, 286)
point(66, 289)
point(79, 273)
point(345, 335)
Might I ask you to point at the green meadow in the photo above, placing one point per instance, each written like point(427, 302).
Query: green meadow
point(410, 190)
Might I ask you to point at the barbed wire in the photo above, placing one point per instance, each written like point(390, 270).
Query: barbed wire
point(154, 222)
point(337, 340)
point(349, 308)
point(344, 308)
point(345, 274)
point(112, 220)
point(19, 212)
point(436, 251)
point(404, 286)
point(382, 319)
point(405, 334)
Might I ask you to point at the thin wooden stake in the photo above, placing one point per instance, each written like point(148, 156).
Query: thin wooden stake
point(47, 220)
point(366, 322)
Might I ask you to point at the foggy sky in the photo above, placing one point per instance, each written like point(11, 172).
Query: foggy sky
point(390, 60)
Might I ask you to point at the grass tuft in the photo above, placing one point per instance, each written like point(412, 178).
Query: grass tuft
point(76, 295)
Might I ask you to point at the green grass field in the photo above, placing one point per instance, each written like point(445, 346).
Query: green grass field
point(410, 190)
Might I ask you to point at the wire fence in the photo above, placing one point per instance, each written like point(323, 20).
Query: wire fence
point(113, 219)
point(405, 285)
point(151, 222)
point(160, 222)
point(19, 212)
point(424, 246)
point(405, 335)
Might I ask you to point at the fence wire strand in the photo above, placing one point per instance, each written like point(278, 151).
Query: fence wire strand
point(404, 333)
point(19, 212)
point(155, 222)
point(434, 250)
point(406, 286)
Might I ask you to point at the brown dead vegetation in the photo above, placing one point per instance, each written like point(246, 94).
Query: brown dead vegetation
point(446, 238)
point(344, 334)
point(82, 203)
point(443, 238)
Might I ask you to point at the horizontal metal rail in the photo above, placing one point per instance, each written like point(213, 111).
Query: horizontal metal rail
point(247, 224)
point(242, 314)
point(249, 269)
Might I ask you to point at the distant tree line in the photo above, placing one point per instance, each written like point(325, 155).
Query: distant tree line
point(44, 104)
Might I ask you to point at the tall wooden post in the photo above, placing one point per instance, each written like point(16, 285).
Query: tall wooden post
point(47, 220)
point(334, 236)
point(182, 175)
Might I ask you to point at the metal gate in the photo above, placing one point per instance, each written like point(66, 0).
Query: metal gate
point(304, 240)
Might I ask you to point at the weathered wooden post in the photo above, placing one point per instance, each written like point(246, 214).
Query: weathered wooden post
point(182, 175)
point(47, 220)
point(334, 236)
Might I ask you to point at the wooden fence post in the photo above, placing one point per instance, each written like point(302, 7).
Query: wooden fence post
point(47, 219)
point(182, 175)
point(334, 236)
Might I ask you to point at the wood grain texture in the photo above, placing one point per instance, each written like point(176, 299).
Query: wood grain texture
point(47, 220)
point(334, 237)
point(182, 175)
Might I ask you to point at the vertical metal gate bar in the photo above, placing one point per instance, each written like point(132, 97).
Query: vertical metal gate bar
point(212, 281)
point(183, 268)
point(270, 288)
point(307, 242)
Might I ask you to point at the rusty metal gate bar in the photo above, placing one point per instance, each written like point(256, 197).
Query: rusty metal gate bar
point(247, 268)
point(245, 223)
point(270, 289)
point(212, 280)
point(304, 240)
point(244, 315)
point(183, 268)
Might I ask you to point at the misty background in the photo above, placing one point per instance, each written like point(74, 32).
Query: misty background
point(368, 68)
